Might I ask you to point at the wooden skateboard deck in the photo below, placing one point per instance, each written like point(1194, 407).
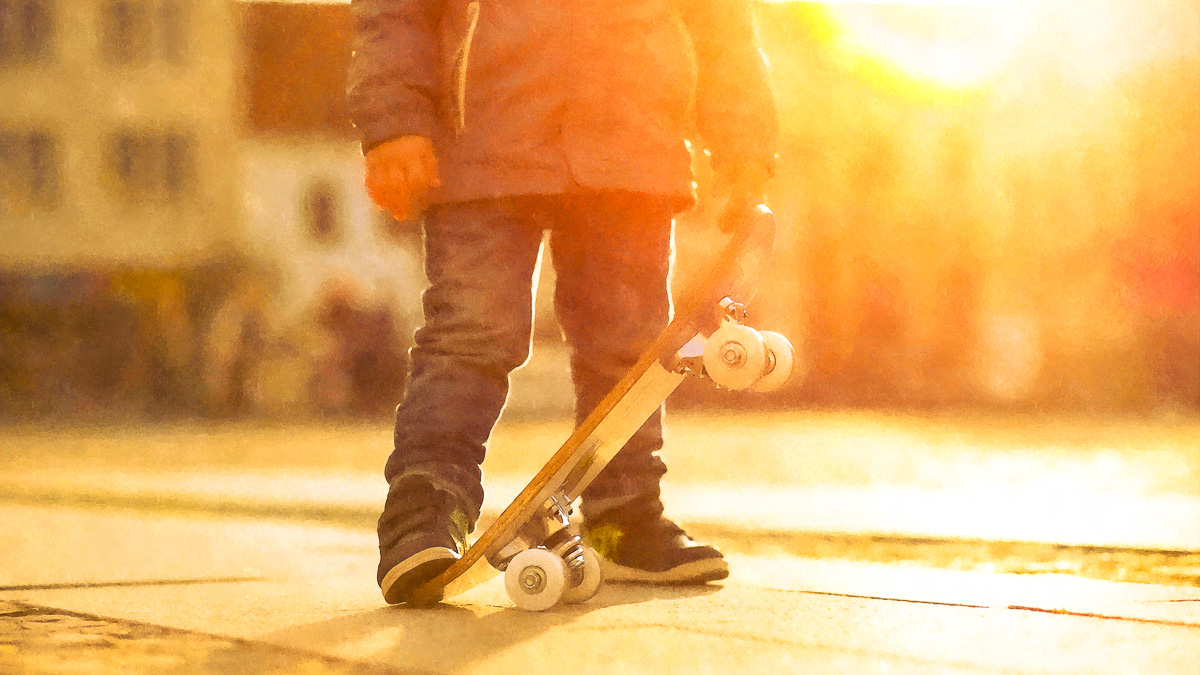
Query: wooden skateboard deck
point(615, 419)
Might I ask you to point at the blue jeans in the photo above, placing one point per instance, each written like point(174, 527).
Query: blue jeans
point(611, 253)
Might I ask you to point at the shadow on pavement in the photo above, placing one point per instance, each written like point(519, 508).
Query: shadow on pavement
point(445, 638)
point(613, 595)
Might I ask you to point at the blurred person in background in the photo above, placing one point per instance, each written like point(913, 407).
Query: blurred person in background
point(362, 367)
point(234, 346)
point(171, 358)
point(110, 362)
point(509, 120)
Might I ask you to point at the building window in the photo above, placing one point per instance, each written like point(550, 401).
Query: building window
point(127, 31)
point(321, 207)
point(171, 31)
point(26, 30)
point(141, 31)
point(152, 165)
point(29, 169)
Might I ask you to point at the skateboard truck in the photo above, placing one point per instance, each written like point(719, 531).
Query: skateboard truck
point(735, 356)
point(546, 561)
point(553, 518)
point(731, 309)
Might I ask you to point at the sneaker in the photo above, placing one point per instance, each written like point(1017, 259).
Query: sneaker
point(636, 543)
point(419, 544)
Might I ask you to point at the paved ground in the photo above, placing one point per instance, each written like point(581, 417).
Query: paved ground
point(286, 593)
point(1111, 499)
point(243, 549)
point(38, 639)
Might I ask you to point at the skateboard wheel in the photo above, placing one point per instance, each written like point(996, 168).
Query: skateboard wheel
point(587, 588)
point(782, 359)
point(735, 356)
point(535, 579)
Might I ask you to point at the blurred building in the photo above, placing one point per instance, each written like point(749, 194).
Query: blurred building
point(307, 215)
point(306, 211)
point(118, 190)
point(188, 164)
point(117, 132)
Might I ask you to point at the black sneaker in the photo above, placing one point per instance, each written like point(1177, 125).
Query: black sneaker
point(636, 543)
point(420, 543)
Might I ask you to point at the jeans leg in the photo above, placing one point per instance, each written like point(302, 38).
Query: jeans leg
point(612, 256)
point(479, 259)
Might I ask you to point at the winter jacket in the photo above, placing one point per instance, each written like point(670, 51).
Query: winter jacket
point(552, 96)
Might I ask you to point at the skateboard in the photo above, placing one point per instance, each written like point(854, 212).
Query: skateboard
point(532, 542)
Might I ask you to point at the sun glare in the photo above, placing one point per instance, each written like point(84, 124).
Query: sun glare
point(956, 46)
point(925, 48)
point(949, 48)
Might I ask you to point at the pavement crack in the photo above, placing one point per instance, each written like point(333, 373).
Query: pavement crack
point(131, 584)
point(870, 597)
point(1107, 617)
point(1023, 608)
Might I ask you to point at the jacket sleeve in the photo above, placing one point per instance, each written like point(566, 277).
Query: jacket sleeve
point(394, 71)
point(735, 107)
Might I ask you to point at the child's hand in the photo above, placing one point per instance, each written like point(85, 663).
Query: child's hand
point(400, 174)
point(739, 192)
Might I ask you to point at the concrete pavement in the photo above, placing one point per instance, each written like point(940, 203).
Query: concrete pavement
point(309, 590)
point(242, 549)
point(1158, 522)
point(1061, 481)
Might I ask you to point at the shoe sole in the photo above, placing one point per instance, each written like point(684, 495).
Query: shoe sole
point(695, 572)
point(403, 579)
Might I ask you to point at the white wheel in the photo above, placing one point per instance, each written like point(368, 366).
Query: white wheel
point(535, 579)
point(735, 356)
point(590, 585)
point(782, 359)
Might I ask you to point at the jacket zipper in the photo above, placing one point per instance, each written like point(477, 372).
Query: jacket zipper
point(460, 75)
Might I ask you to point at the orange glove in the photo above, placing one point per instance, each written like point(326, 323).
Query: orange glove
point(400, 174)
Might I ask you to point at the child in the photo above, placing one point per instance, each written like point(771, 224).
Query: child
point(508, 119)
